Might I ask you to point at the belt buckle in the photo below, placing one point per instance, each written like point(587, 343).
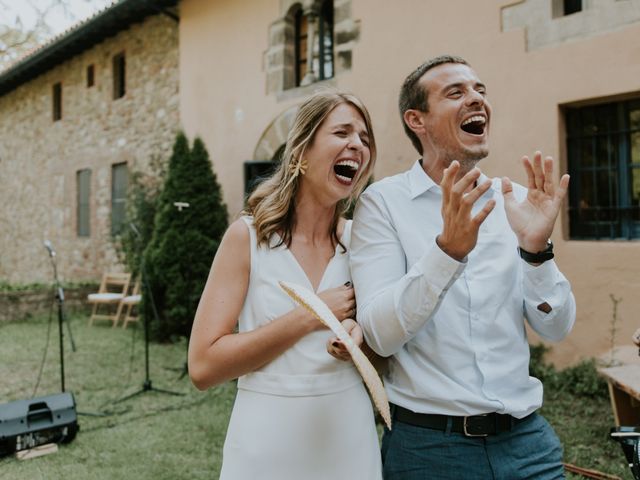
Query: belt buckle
point(466, 431)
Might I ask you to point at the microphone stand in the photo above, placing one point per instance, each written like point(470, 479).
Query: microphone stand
point(147, 386)
point(61, 316)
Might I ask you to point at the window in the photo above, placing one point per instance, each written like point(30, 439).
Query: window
point(562, 8)
point(323, 42)
point(257, 171)
point(83, 211)
point(571, 6)
point(57, 101)
point(603, 146)
point(314, 59)
point(90, 76)
point(302, 25)
point(119, 76)
point(119, 183)
point(311, 40)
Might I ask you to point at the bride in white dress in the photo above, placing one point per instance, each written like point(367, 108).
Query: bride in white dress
point(299, 413)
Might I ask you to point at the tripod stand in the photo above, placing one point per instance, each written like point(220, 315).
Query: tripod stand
point(147, 386)
point(61, 316)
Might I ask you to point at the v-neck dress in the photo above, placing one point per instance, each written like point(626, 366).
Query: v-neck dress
point(304, 415)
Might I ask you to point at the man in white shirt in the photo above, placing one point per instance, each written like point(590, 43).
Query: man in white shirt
point(447, 264)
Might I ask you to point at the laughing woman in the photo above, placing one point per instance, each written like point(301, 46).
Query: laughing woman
point(299, 413)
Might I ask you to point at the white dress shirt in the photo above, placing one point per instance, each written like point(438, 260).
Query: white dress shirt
point(455, 331)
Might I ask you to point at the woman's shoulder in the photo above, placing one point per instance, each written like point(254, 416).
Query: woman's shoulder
point(238, 231)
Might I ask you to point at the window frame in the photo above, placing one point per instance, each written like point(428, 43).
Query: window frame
point(119, 70)
point(118, 198)
point(56, 106)
point(91, 75)
point(620, 219)
point(83, 202)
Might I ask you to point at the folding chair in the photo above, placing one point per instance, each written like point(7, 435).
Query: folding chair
point(113, 289)
point(130, 303)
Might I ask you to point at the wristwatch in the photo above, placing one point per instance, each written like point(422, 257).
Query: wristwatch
point(540, 257)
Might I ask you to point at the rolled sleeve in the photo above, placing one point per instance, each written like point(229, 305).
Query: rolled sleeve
point(546, 284)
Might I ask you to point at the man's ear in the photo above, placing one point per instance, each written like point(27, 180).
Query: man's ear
point(415, 121)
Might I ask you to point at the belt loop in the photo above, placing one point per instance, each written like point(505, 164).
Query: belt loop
point(447, 430)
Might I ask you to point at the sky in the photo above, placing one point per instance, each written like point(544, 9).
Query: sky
point(58, 18)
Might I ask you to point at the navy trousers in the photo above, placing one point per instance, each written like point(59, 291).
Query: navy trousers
point(531, 450)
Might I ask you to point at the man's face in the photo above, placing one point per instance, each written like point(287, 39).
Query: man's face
point(457, 121)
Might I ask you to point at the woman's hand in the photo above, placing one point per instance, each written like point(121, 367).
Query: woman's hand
point(337, 349)
point(341, 301)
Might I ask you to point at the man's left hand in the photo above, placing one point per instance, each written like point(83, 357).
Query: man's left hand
point(533, 219)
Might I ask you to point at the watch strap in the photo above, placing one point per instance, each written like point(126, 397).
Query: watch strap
point(539, 257)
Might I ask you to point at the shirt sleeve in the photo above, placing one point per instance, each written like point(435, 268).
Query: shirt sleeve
point(545, 283)
point(393, 303)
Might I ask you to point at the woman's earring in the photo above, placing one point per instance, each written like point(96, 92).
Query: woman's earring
point(299, 167)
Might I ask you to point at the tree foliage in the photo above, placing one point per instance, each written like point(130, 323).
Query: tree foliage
point(184, 239)
point(26, 24)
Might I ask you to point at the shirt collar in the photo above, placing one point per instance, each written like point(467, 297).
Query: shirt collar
point(420, 182)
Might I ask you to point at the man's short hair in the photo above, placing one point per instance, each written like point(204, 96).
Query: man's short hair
point(414, 97)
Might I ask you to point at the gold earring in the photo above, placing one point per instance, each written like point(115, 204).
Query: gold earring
point(298, 167)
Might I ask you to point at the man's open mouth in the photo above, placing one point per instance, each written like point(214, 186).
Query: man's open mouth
point(474, 125)
point(346, 171)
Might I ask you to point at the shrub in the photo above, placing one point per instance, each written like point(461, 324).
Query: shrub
point(185, 241)
point(581, 379)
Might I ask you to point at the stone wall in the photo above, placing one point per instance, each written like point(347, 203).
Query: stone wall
point(39, 158)
point(545, 25)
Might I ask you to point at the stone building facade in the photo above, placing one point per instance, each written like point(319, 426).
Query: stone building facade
point(40, 158)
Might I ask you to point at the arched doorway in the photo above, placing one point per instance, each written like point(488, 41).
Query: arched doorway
point(269, 150)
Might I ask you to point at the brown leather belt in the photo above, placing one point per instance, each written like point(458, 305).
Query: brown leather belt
point(470, 426)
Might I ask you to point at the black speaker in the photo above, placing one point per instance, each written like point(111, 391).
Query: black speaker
point(26, 424)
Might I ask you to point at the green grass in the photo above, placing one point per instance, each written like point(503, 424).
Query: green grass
point(151, 436)
point(154, 436)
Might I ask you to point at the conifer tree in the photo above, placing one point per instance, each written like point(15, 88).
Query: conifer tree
point(185, 239)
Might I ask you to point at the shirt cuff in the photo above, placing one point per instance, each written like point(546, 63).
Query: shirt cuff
point(541, 274)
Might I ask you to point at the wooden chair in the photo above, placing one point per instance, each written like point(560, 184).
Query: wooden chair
point(113, 289)
point(130, 304)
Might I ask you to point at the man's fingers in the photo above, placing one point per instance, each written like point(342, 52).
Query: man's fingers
point(484, 213)
point(467, 181)
point(531, 182)
point(448, 177)
point(549, 186)
point(561, 191)
point(537, 171)
point(471, 197)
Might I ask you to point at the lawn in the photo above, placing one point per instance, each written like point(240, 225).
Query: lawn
point(159, 436)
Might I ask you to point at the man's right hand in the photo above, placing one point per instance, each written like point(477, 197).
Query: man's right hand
point(460, 230)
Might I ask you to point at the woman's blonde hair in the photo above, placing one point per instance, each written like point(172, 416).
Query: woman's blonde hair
point(272, 202)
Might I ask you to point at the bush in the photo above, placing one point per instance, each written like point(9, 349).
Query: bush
point(185, 241)
point(581, 379)
point(142, 197)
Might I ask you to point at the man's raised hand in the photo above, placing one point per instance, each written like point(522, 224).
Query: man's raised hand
point(460, 230)
point(532, 220)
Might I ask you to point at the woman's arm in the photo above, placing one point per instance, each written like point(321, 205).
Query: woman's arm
point(216, 354)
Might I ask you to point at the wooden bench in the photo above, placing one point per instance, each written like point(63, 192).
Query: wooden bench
point(624, 384)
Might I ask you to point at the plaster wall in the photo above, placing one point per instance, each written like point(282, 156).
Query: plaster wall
point(224, 99)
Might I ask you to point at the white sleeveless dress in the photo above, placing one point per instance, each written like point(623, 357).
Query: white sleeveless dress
point(305, 415)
